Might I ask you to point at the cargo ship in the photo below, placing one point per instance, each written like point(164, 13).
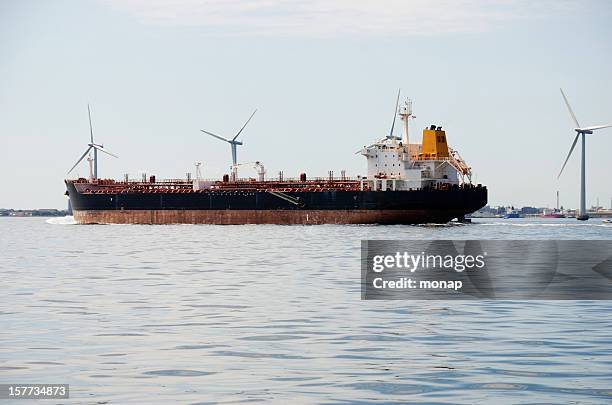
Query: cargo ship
point(405, 183)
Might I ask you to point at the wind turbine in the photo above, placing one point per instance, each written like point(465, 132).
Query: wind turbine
point(580, 132)
point(233, 143)
point(92, 145)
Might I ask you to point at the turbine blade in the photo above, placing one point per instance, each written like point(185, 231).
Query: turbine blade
point(394, 114)
point(90, 127)
point(569, 108)
point(569, 154)
point(594, 127)
point(216, 136)
point(245, 124)
point(105, 151)
point(79, 161)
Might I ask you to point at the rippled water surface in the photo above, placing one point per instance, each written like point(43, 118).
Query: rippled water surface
point(184, 314)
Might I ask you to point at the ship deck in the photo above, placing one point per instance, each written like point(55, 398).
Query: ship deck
point(109, 186)
point(184, 186)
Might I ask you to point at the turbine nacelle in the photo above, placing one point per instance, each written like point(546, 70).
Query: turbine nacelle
point(589, 130)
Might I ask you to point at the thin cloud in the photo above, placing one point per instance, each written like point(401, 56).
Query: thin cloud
point(339, 17)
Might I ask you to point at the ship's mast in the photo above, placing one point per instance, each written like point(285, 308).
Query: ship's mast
point(261, 171)
point(405, 113)
point(91, 172)
point(391, 136)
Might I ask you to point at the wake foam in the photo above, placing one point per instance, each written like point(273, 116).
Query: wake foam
point(67, 220)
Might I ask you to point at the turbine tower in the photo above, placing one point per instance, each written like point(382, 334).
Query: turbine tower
point(233, 144)
point(92, 145)
point(580, 132)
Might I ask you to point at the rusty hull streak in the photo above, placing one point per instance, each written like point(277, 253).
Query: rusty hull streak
point(240, 217)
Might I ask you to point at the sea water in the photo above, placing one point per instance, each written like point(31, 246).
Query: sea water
point(194, 314)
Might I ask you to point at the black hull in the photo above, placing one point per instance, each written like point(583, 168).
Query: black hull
point(237, 207)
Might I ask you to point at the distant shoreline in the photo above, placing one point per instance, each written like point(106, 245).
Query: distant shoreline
point(41, 212)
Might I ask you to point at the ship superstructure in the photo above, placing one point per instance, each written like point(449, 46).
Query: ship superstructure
point(405, 183)
point(396, 164)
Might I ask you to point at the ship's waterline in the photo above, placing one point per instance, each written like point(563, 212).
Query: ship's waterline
point(281, 217)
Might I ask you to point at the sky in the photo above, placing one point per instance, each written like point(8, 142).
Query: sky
point(323, 75)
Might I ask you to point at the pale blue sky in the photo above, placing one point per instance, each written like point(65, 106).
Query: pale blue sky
point(323, 74)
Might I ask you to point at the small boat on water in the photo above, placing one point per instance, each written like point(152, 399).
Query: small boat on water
point(607, 221)
point(512, 214)
point(552, 214)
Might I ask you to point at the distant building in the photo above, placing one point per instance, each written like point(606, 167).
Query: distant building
point(530, 210)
